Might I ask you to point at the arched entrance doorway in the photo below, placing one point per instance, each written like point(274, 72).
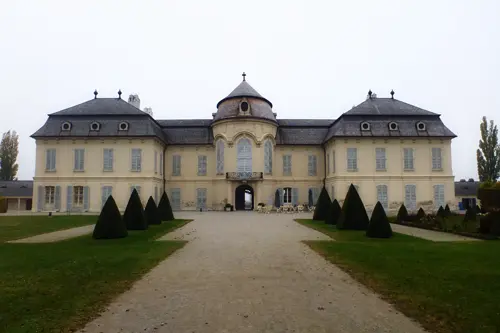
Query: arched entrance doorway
point(244, 197)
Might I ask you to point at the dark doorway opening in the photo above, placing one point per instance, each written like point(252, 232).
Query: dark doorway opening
point(29, 204)
point(244, 197)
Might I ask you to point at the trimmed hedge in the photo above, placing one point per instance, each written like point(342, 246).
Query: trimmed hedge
point(470, 214)
point(134, 213)
point(379, 226)
point(334, 214)
point(151, 212)
point(110, 224)
point(447, 211)
point(402, 214)
point(165, 209)
point(353, 214)
point(441, 212)
point(322, 207)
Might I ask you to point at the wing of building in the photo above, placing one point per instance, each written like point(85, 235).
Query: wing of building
point(393, 152)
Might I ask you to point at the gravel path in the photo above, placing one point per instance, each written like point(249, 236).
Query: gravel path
point(432, 235)
point(56, 236)
point(248, 272)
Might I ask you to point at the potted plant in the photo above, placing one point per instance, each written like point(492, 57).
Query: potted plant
point(228, 207)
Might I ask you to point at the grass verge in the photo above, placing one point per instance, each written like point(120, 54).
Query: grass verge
point(446, 286)
point(58, 287)
point(17, 227)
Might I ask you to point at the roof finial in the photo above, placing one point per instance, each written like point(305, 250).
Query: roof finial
point(244, 75)
point(392, 93)
point(370, 93)
point(95, 94)
point(120, 94)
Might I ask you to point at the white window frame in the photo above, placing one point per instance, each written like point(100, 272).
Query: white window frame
point(202, 165)
point(107, 159)
point(287, 195)
point(136, 159)
point(380, 159)
point(268, 157)
point(176, 165)
point(312, 165)
point(106, 191)
point(219, 153)
point(352, 159)
point(382, 195)
point(79, 159)
point(175, 194)
point(77, 200)
point(439, 198)
point(411, 203)
point(287, 165)
point(50, 195)
point(50, 159)
point(437, 158)
point(408, 159)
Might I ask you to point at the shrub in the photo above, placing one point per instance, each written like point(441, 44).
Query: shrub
point(447, 211)
point(134, 213)
point(334, 214)
point(165, 209)
point(322, 206)
point(470, 214)
point(441, 213)
point(379, 226)
point(421, 214)
point(151, 212)
point(478, 209)
point(402, 214)
point(353, 214)
point(110, 224)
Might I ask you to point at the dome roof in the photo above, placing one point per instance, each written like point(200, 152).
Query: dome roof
point(258, 106)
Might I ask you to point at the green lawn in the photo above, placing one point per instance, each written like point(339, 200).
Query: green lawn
point(447, 287)
point(58, 287)
point(16, 227)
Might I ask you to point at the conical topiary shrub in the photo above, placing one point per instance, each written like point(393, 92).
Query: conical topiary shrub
point(134, 213)
point(447, 211)
point(164, 208)
point(353, 214)
point(110, 224)
point(420, 214)
point(379, 226)
point(151, 212)
point(334, 214)
point(402, 214)
point(440, 212)
point(322, 206)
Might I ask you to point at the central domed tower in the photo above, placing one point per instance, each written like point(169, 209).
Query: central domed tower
point(244, 102)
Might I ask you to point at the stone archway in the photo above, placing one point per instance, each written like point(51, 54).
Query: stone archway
point(244, 197)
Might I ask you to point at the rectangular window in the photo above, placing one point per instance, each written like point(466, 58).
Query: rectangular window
point(328, 164)
point(380, 159)
point(137, 188)
point(106, 191)
point(50, 195)
point(201, 198)
point(333, 161)
point(439, 196)
point(312, 165)
point(156, 161)
point(136, 159)
point(411, 197)
point(161, 163)
point(202, 165)
point(77, 196)
point(436, 159)
point(382, 195)
point(287, 165)
point(176, 198)
point(107, 159)
point(287, 195)
point(79, 160)
point(50, 160)
point(176, 165)
point(408, 158)
point(352, 159)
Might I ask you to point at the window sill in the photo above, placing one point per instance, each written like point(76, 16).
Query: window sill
point(176, 175)
point(78, 170)
point(107, 170)
point(409, 170)
point(287, 173)
point(352, 170)
point(200, 175)
point(135, 170)
point(437, 170)
point(381, 170)
point(50, 171)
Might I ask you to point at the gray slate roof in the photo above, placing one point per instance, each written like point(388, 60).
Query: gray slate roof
point(244, 90)
point(387, 107)
point(466, 189)
point(258, 109)
point(16, 188)
point(101, 107)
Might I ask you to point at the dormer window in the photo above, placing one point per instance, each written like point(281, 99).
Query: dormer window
point(66, 126)
point(95, 126)
point(365, 126)
point(393, 126)
point(420, 126)
point(244, 107)
point(123, 126)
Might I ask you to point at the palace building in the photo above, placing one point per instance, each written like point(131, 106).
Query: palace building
point(393, 152)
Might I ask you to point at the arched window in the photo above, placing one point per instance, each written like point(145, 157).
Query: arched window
point(219, 147)
point(244, 156)
point(268, 157)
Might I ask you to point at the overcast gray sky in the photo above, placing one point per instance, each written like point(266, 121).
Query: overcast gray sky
point(312, 59)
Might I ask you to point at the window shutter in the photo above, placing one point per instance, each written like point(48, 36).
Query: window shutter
point(40, 198)
point(82, 159)
point(295, 196)
point(69, 198)
point(282, 196)
point(111, 157)
point(48, 159)
point(58, 198)
point(85, 198)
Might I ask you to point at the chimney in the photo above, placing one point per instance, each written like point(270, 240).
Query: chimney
point(149, 111)
point(135, 100)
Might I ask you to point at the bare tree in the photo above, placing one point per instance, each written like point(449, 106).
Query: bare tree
point(9, 149)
